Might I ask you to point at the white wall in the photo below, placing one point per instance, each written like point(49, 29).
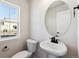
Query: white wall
point(78, 28)
point(39, 32)
point(18, 44)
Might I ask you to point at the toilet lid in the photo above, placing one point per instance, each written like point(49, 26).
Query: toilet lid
point(22, 54)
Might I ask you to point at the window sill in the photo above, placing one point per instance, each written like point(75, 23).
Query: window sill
point(8, 38)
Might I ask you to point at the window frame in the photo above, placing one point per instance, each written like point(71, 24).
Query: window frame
point(18, 23)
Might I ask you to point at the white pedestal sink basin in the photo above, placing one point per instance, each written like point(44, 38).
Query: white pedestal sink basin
point(54, 49)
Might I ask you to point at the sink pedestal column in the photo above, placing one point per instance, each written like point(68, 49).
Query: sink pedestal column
point(51, 56)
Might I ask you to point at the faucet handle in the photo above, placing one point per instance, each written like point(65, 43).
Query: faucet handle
point(52, 39)
point(57, 40)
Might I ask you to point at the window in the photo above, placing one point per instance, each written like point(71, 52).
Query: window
point(9, 20)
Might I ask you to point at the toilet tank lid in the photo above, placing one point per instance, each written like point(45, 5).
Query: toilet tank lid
point(31, 41)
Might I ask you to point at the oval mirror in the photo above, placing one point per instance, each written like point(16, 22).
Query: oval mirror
point(58, 18)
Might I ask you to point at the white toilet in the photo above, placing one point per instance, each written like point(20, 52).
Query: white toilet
point(31, 45)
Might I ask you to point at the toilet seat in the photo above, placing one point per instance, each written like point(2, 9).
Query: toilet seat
point(22, 54)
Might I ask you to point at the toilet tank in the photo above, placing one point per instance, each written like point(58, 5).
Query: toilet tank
point(31, 45)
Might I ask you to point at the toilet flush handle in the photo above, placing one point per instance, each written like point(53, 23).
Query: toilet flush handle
point(5, 48)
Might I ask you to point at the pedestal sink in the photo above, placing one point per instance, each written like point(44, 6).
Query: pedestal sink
point(54, 49)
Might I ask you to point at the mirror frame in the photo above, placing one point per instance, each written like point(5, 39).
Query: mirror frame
point(71, 12)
